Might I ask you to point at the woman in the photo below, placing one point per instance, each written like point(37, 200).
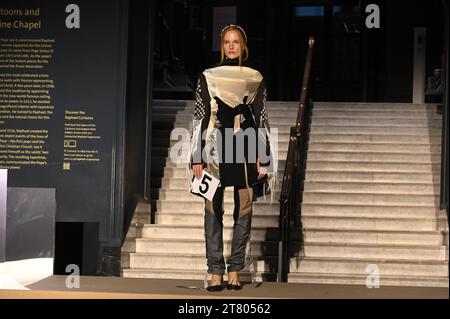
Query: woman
point(230, 104)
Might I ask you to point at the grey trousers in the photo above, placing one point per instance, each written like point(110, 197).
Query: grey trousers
point(214, 231)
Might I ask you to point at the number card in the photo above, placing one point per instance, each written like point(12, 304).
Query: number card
point(206, 186)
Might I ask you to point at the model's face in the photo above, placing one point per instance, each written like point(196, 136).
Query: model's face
point(232, 44)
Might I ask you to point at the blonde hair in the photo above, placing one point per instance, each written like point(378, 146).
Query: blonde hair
point(242, 39)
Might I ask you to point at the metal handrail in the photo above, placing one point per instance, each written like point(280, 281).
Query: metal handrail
point(305, 83)
point(290, 189)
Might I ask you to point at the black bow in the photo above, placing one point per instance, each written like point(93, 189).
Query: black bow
point(227, 113)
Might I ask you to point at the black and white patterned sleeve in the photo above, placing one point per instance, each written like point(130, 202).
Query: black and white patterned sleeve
point(259, 107)
point(264, 117)
point(200, 108)
point(201, 119)
point(262, 120)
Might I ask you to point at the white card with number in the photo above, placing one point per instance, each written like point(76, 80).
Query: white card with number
point(206, 186)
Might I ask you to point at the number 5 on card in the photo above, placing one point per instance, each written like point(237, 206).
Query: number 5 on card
point(206, 186)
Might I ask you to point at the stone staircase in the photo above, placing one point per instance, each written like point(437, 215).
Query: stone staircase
point(371, 197)
point(173, 246)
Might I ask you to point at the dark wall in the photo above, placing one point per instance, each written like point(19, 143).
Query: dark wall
point(137, 150)
point(373, 58)
point(401, 18)
point(138, 111)
point(348, 65)
point(88, 67)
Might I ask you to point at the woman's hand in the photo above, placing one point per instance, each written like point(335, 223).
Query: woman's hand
point(197, 168)
point(261, 170)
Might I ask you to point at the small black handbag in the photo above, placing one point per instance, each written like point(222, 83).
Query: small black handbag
point(261, 188)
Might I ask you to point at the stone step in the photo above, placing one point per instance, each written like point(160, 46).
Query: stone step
point(379, 251)
point(181, 183)
point(186, 119)
point(283, 117)
point(373, 177)
point(187, 274)
point(135, 230)
point(180, 195)
point(180, 172)
point(376, 130)
point(310, 249)
point(192, 246)
point(191, 109)
point(372, 138)
point(379, 118)
point(196, 205)
point(190, 105)
point(311, 235)
point(345, 166)
point(141, 218)
point(361, 280)
point(321, 104)
point(276, 127)
point(160, 151)
point(272, 112)
point(280, 129)
point(373, 106)
point(375, 147)
point(369, 211)
point(186, 261)
point(360, 113)
point(160, 164)
point(368, 187)
point(370, 199)
point(289, 105)
point(374, 157)
point(179, 148)
point(144, 208)
point(197, 219)
point(412, 181)
point(157, 231)
point(174, 166)
point(373, 121)
point(359, 265)
point(281, 143)
point(381, 223)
